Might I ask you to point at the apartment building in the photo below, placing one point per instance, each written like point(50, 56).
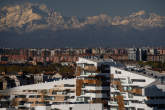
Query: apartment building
point(137, 54)
point(161, 51)
point(57, 95)
point(43, 95)
point(127, 89)
point(93, 79)
point(156, 58)
point(91, 86)
point(99, 85)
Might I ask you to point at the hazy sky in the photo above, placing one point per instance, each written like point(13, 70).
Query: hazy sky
point(95, 7)
point(110, 7)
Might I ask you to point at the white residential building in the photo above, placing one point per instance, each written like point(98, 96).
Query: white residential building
point(127, 89)
point(37, 96)
point(99, 85)
point(57, 95)
point(93, 80)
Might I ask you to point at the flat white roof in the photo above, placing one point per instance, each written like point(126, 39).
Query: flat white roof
point(40, 86)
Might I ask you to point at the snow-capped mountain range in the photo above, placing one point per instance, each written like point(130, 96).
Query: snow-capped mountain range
point(29, 17)
point(22, 25)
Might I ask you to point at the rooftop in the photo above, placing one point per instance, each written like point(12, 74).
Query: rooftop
point(159, 83)
point(144, 72)
point(40, 86)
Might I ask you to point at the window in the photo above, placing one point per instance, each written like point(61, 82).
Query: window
point(68, 85)
point(118, 72)
point(126, 102)
point(38, 96)
point(129, 80)
point(125, 88)
point(129, 88)
point(20, 96)
point(138, 80)
point(21, 102)
point(39, 102)
point(54, 92)
point(130, 95)
point(72, 97)
point(140, 109)
point(30, 102)
point(123, 81)
point(82, 92)
point(80, 99)
point(32, 96)
point(49, 97)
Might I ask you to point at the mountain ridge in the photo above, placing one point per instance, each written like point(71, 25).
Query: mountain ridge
point(30, 17)
point(30, 25)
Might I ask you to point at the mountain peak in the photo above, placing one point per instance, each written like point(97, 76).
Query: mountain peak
point(139, 13)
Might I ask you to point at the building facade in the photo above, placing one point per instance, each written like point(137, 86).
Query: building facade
point(92, 81)
point(127, 90)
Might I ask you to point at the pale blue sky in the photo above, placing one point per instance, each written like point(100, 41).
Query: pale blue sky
point(95, 7)
point(110, 7)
